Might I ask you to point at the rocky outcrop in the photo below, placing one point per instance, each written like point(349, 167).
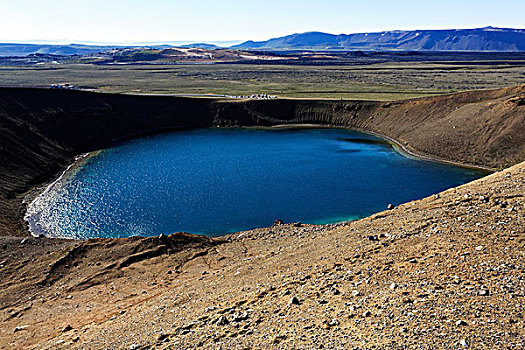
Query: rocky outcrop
point(43, 130)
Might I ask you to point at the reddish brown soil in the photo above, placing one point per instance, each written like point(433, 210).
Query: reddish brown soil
point(429, 274)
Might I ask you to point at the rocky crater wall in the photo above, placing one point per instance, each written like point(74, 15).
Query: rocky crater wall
point(43, 130)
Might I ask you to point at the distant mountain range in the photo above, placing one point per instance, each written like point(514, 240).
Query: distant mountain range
point(9, 49)
point(22, 50)
point(482, 39)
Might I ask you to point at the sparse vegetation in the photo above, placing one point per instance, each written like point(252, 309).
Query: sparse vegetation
point(382, 81)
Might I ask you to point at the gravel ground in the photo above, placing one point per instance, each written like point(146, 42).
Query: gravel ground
point(447, 271)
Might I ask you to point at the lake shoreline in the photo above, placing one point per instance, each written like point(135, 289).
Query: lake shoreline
point(34, 194)
point(398, 145)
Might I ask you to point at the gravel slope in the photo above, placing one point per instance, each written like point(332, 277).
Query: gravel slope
point(447, 271)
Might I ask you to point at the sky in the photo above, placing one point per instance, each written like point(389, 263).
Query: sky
point(154, 21)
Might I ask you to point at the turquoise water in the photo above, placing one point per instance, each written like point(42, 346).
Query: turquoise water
point(217, 181)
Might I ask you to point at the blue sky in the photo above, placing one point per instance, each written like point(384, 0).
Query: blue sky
point(114, 21)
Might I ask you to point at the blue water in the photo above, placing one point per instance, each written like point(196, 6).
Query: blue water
point(217, 181)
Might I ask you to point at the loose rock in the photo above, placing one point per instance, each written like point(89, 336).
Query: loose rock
point(294, 301)
point(222, 321)
point(20, 328)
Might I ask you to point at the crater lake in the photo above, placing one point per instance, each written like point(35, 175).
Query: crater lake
point(223, 180)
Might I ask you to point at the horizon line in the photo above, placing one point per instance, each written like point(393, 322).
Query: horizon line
point(228, 43)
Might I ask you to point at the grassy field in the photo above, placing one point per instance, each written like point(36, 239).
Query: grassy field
point(385, 81)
